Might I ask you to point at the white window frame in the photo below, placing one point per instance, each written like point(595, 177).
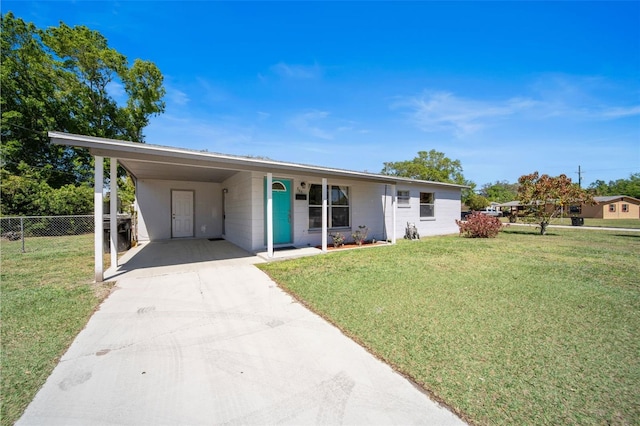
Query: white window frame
point(404, 198)
point(432, 204)
point(346, 190)
point(625, 208)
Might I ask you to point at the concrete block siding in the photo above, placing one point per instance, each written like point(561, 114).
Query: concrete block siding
point(242, 220)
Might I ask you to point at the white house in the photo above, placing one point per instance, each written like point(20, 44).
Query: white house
point(260, 204)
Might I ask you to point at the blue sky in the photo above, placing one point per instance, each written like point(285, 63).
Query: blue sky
point(507, 88)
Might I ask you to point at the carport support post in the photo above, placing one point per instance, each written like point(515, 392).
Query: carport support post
point(324, 215)
point(394, 204)
point(97, 218)
point(113, 211)
point(270, 215)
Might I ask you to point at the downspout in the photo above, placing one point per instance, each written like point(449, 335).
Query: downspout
point(384, 214)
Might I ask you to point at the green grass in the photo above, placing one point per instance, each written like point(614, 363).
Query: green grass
point(521, 329)
point(47, 298)
point(599, 223)
point(612, 223)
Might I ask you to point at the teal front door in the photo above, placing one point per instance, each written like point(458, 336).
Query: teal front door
point(281, 193)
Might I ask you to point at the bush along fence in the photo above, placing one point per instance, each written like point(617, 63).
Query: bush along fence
point(25, 227)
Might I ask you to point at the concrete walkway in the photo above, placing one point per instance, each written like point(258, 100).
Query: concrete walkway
point(195, 334)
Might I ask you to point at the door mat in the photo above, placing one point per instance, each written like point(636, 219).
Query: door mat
point(216, 239)
point(284, 248)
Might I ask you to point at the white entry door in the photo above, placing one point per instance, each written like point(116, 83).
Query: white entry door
point(181, 214)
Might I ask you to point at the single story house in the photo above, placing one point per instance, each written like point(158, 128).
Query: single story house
point(260, 204)
point(611, 207)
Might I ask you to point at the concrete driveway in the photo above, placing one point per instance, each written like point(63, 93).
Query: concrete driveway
point(195, 334)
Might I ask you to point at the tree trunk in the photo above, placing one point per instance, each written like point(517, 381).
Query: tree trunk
point(543, 228)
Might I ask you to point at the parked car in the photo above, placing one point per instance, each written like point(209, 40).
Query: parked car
point(491, 211)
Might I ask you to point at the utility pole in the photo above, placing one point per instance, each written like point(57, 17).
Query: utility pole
point(579, 177)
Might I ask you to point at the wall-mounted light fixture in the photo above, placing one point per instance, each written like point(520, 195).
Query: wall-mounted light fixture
point(225, 190)
point(303, 185)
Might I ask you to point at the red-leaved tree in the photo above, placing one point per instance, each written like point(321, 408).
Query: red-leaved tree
point(547, 196)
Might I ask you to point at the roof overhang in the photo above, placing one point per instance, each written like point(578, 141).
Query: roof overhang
point(145, 161)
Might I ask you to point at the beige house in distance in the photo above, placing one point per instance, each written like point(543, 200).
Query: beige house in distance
point(613, 207)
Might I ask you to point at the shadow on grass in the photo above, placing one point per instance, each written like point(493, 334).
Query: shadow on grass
point(628, 235)
point(532, 232)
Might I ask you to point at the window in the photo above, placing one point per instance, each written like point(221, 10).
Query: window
point(612, 208)
point(625, 208)
point(338, 215)
point(427, 205)
point(575, 209)
point(278, 186)
point(403, 198)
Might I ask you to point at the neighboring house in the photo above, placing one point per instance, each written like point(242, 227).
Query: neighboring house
point(260, 204)
point(611, 207)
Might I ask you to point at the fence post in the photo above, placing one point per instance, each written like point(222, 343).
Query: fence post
point(22, 231)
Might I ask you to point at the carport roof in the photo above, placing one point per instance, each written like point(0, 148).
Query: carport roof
point(146, 161)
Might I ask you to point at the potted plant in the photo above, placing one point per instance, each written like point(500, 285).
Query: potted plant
point(360, 235)
point(338, 239)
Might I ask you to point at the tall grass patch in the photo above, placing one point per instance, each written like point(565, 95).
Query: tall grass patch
point(47, 298)
point(520, 329)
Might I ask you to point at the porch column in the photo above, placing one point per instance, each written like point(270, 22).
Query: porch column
point(269, 214)
point(394, 204)
point(113, 212)
point(325, 228)
point(97, 218)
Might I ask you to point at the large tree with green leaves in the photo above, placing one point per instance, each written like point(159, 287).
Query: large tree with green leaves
point(546, 197)
point(431, 165)
point(59, 79)
point(500, 191)
point(629, 187)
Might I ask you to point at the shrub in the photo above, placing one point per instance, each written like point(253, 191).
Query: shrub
point(479, 225)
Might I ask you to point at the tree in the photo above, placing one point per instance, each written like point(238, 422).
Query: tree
point(547, 196)
point(28, 194)
point(433, 166)
point(477, 202)
point(629, 187)
point(59, 79)
point(500, 191)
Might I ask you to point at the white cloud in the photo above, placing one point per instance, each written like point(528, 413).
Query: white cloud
point(437, 111)
point(307, 123)
point(619, 112)
point(262, 116)
point(583, 97)
point(297, 71)
point(176, 96)
point(553, 97)
point(117, 92)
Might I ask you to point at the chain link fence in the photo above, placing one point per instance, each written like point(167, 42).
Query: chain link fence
point(29, 228)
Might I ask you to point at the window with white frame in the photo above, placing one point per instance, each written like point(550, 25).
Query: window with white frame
point(339, 212)
point(625, 208)
point(403, 198)
point(612, 208)
point(427, 205)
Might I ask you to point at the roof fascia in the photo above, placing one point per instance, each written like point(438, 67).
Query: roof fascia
point(162, 154)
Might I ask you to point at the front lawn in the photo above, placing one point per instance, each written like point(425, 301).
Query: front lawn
point(521, 329)
point(598, 223)
point(47, 298)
